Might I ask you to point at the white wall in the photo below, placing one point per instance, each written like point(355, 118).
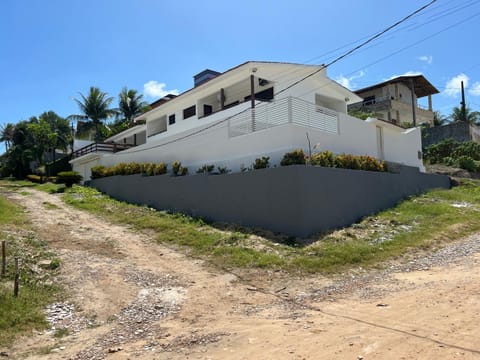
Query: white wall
point(213, 146)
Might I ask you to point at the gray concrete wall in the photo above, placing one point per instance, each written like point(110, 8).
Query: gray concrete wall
point(459, 131)
point(296, 200)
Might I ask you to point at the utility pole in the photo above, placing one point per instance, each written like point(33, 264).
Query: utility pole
point(464, 110)
point(414, 103)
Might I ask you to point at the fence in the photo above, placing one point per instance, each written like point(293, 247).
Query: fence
point(100, 147)
point(288, 110)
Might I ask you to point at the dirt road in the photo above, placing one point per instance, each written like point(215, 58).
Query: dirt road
point(131, 298)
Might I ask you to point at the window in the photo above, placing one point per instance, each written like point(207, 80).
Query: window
point(264, 95)
point(207, 109)
point(171, 119)
point(189, 112)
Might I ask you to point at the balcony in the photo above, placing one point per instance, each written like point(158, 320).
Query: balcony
point(100, 148)
point(289, 110)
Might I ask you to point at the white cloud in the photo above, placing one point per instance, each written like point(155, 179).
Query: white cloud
point(155, 89)
point(426, 58)
point(475, 89)
point(348, 81)
point(453, 86)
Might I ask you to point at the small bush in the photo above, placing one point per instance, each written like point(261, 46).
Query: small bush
point(347, 161)
point(178, 169)
point(69, 178)
point(148, 169)
point(261, 163)
point(160, 169)
point(437, 152)
point(176, 165)
point(369, 163)
point(133, 168)
point(223, 170)
point(120, 169)
point(468, 148)
point(324, 158)
point(99, 171)
point(205, 169)
point(467, 163)
point(295, 157)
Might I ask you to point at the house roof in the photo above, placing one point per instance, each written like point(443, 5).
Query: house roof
point(422, 87)
point(222, 76)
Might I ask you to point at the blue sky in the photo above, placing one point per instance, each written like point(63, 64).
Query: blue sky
point(51, 50)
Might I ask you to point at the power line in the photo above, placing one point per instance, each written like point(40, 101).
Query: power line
point(364, 43)
point(359, 46)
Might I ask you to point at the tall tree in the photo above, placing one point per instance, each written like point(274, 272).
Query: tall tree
point(95, 107)
point(6, 134)
point(469, 116)
point(131, 105)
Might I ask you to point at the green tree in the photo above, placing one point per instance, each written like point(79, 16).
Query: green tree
point(438, 118)
point(6, 134)
point(95, 107)
point(131, 105)
point(59, 126)
point(472, 117)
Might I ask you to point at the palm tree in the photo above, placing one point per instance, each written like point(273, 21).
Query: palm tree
point(438, 118)
point(6, 134)
point(469, 116)
point(95, 107)
point(131, 105)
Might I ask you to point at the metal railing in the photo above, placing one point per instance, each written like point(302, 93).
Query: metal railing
point(280, 112)
point(100, 147)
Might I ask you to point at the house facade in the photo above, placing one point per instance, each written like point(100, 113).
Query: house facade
point(252, 110)
point(396, 100)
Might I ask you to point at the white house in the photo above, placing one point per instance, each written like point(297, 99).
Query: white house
point(255, 109)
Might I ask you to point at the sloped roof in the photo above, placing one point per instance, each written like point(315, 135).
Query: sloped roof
point(422, 87)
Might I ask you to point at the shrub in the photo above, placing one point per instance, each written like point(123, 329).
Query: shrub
point(99, 171)
point(120, 169)
point(437, 152)
point(347, 161)
point(205, 169)
point(468, 148)
point(293, 158)
point(223, 170)
point(148, 169)
point(261, 163)
point(160, 169)
point(324, 158)
point(69, 178)
point(467, 163)
point(133, 168)
point(178, 169)
point(369, 163)
point(176, 165)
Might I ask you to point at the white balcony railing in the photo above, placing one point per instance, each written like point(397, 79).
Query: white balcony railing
point(280, 112)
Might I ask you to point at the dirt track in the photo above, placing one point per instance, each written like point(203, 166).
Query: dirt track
point(135, 299)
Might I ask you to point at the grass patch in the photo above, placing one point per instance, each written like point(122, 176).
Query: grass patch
point(48, 187)
point(18, 316)
point(421, 222)
point(50, 206)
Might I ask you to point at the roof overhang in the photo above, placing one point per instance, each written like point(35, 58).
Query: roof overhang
point(422, 87)
point(126, 133)
point(266, 69)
